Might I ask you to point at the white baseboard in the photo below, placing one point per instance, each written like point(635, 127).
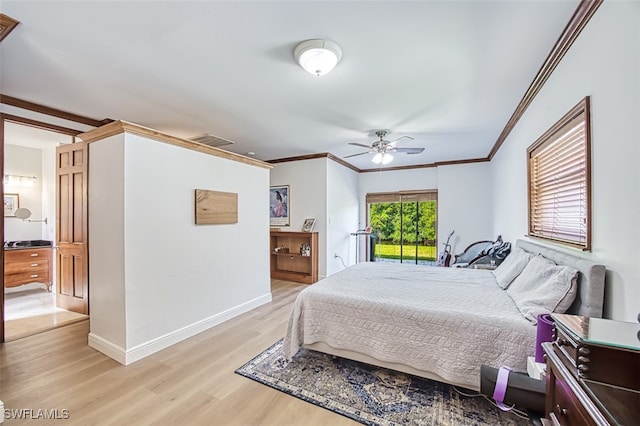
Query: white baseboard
point(1, 412)
point(150, 347)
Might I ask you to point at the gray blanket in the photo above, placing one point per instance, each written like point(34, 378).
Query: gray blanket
point(439, 320)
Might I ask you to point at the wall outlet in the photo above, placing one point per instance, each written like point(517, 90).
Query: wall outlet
point(335, 255)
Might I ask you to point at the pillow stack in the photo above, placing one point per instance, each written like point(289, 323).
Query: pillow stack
point(512, 266)
point(536, 284)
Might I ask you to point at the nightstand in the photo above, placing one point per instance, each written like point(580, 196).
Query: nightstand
point(593, 372)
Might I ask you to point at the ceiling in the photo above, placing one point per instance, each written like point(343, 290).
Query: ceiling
point(447, 73)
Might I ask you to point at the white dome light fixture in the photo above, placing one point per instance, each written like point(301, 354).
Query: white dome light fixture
point(318, 56)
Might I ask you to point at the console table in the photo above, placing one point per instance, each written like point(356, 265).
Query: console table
point(593, 372)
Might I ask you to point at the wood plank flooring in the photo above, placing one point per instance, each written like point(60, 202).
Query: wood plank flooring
point(191, 383)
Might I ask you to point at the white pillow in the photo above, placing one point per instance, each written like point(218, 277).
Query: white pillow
point(544, 287)
point(511, 267)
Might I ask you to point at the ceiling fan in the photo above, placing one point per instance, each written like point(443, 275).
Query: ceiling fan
point(383, 148)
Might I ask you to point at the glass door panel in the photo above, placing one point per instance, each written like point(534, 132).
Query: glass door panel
point(407, 230)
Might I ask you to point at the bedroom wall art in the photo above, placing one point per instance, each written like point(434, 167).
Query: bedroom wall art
point(215, 207)
point(279, 205)
point(11, 203)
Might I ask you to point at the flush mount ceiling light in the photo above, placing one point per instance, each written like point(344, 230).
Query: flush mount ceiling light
point(318, 56)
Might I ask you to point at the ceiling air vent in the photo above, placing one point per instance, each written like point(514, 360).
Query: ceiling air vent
point(211, 140)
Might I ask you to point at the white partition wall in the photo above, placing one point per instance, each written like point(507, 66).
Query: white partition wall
point(156, 278)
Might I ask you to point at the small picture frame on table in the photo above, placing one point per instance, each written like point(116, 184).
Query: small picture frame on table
point(308, 224)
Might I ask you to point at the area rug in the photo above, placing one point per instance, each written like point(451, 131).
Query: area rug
point(371, 395)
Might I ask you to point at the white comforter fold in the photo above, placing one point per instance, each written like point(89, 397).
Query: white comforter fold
point(441, 320)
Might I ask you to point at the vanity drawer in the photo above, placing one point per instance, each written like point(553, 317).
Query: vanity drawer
point(26, 254)
point(13, 280)
point(30, 266)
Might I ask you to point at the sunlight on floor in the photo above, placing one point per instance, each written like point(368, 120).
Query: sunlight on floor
point(33, 311)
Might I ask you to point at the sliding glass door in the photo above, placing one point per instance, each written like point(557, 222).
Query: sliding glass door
point(406, 225)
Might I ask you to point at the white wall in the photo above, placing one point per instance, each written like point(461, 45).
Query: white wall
point(464, 198)
point(342, 216)
point(107, 301)
point(24, 161)
point(604, 63)
point(465, 205)
point(307, 180)
point(49, 192)
point(176, 278)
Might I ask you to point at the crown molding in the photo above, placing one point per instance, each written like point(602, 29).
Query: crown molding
point(578, 21)
point(118, 127)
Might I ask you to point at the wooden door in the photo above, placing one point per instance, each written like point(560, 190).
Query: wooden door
point(72, 260)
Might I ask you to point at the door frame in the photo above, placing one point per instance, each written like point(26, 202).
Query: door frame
point(8, 118)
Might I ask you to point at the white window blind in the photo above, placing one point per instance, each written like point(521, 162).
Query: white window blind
point(402, 196)
point(559, 181)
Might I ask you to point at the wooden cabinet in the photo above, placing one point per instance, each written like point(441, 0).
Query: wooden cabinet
point(28, 265)
point(593, 372)
point(294, 256)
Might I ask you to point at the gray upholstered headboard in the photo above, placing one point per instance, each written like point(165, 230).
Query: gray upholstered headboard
point(590, 298)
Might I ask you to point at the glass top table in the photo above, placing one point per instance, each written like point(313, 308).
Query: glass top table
point(601, 331)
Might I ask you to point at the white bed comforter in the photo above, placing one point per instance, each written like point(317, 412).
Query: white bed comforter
point(440, 320)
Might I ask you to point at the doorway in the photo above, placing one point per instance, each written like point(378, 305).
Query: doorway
point(406, 226)
point(30, 182)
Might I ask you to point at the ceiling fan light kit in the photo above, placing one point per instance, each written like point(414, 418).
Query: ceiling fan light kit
point(382, 158)
point(383, 148)
point(318, 56)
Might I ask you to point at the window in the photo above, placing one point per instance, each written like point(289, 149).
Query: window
point(405, 223)
point(559, 165)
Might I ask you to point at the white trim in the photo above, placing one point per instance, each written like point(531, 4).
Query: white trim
point(106, 347)
point(143, 350)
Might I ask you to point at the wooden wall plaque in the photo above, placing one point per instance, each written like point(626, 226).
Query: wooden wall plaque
point(215, 207)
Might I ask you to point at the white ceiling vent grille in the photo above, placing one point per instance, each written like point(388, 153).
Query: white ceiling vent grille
point(211, 140)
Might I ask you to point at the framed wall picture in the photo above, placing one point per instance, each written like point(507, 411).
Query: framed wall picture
point(307, 226)
point(279, 205)
point(11, 203)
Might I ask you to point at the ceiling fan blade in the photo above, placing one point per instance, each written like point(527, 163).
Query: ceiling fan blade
point(359, 144)
point(393, 142)
point(410, 150)
point(355, 155)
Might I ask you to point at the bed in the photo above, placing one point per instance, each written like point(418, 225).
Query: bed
point(438, 323)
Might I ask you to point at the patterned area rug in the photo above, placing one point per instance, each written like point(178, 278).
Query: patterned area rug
point(371, 395)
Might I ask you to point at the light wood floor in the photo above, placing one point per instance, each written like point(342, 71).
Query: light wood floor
point(190, 383)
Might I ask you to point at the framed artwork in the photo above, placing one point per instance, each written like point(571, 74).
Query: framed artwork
point(307, 226)
point(279, 205)
point(11, 203)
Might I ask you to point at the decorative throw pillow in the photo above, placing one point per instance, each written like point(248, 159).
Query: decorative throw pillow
point(511, 267)
point(543, 287)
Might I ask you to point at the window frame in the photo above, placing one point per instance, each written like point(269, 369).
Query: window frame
point(549, 138)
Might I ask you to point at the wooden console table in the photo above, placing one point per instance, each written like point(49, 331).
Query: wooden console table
point(593, 372)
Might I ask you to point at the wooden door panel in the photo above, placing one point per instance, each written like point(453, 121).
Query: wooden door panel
point(72, 255)
point(79, 208)
point(64, 215)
